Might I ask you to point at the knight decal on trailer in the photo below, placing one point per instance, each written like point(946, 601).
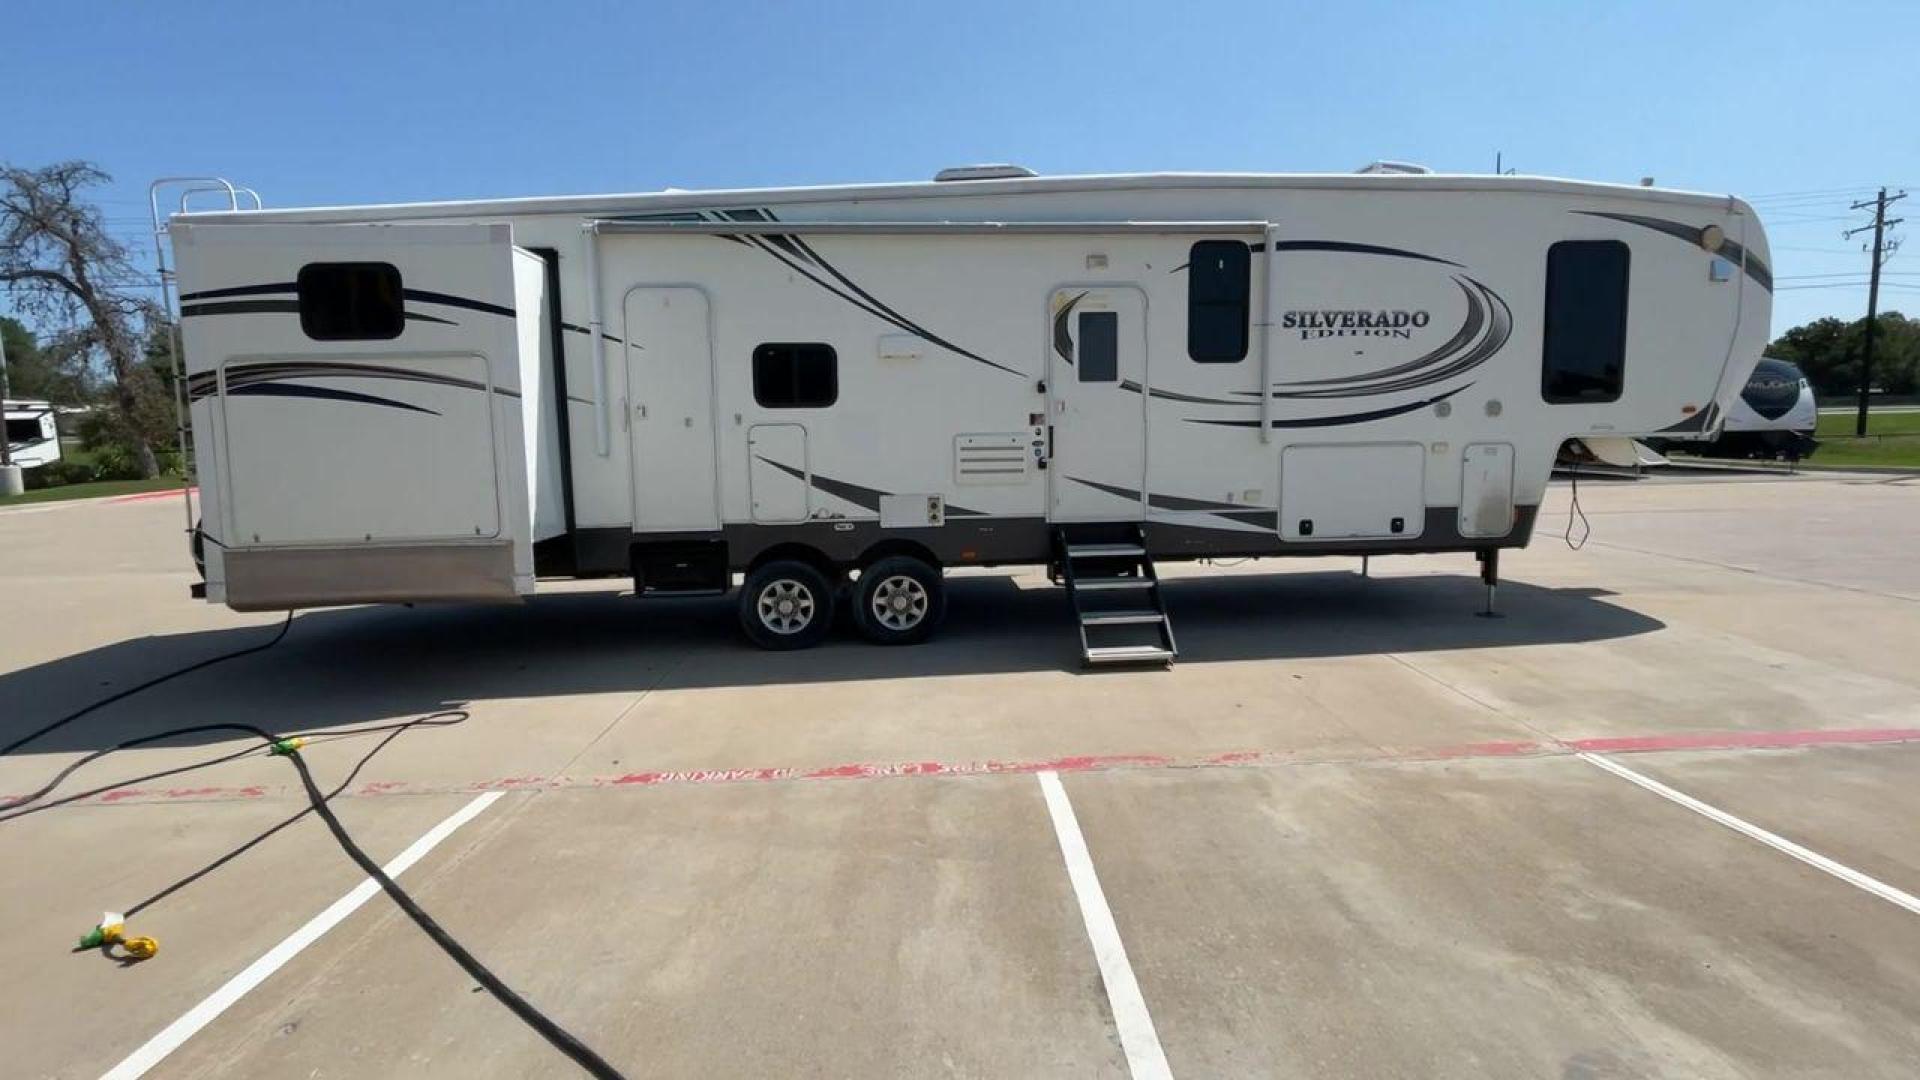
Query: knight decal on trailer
point(830, 396)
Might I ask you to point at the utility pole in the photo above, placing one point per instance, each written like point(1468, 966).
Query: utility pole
point(6, 441)
point(12, 480)
point(1880, 252)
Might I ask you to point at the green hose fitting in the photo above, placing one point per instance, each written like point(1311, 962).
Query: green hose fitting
point(285, 747)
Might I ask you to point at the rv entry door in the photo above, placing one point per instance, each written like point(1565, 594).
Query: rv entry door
point(1096, 389)
point(670, 408)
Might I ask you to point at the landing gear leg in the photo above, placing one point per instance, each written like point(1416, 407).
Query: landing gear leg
point(1490, 575)
point(1363, 565)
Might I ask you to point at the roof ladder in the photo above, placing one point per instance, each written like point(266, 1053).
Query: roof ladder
point(1115, 594)
point(187, 187)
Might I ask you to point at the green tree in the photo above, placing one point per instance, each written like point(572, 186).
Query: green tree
point(40, 373)
point(68, 271)
point(1829, 350)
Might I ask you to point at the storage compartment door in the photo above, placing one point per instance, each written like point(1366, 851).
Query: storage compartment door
point(1353, 492)
point(778, 477)
point(1486, 490)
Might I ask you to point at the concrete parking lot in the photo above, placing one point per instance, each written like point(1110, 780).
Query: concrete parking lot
point(1356, 831)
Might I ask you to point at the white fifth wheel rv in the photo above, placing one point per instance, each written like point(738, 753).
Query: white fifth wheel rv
point(875, 383)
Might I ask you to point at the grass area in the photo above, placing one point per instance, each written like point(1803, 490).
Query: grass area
point(1840, 425)
point(1895, 452)
point(93, 490)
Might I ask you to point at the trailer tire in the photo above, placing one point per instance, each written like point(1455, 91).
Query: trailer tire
point(899, 600)
point(786, 604)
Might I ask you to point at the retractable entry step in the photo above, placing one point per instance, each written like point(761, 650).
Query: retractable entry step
point(1115, 594)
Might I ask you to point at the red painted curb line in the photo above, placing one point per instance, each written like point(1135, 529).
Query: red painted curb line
point(146, 495)
point(1623, 744)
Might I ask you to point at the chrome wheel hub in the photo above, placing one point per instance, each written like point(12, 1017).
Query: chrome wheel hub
point(899, 603)
point(785, 606)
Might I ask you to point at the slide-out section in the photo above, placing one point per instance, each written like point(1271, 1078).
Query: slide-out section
point(373, 411)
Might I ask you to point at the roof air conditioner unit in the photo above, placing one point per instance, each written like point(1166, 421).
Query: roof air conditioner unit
point(1395, 168)
point(983, 172)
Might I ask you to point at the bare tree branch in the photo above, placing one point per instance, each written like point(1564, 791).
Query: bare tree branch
point(50, 238)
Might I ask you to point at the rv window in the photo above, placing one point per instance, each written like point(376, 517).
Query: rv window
point(796, 376)
point(1218, 281)
point(1099, 346)
point(351, 301)
point(1585, 351)
point(23, 429)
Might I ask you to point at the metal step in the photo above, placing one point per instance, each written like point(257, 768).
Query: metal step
point(1127, 654)
point(1120, 618)
point(1099, 584)
point(1104, 551)
point(1137, 627)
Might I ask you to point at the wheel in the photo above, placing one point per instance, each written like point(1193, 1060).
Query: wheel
point(786, 605)
point(898, 601)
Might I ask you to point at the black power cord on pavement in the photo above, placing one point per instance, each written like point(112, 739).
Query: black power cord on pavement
point(318, 803)
point(148, 685)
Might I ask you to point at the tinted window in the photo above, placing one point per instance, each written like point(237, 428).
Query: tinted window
point(1584, 357)
point(1099, 346)
point(351, 301)
point(799, 376)
point(1219, 274)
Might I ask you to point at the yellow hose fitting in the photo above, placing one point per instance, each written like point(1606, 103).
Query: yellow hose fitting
point(113, 931)
point(287, 746)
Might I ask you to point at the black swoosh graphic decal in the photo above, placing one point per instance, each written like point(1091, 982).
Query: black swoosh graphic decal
point(1680, 230)
point(578, 329)
point(1162, 502)
point(1486, 312)
point(1696, 422)
point(1170, 395)
point(241, 376)
point(1339, 246)
point(1335, 421)
point(292, 390)
point(277, 307)
point(1062, 337)
point(864, 497)
point(239, 290)
point(1469, 329)
point(457, 301)
point(857, 296)
point(1355, 249)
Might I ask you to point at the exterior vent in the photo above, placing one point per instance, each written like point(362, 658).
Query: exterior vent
point(983, 172)
point(1395, 168)
point(990, 458)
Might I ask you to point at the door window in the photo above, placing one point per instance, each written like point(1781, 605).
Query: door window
point(1099, 346)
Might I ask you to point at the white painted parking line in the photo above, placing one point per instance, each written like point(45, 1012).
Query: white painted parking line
point(1773, 840)
point(173, 1035)
point(1145, 1059)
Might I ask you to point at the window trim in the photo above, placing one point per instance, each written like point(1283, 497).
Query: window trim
point(1244, 303)
point(384, 269)
point(1546, 329)
point(833, 374)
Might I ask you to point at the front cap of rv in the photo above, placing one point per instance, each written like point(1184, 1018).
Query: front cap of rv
point(1754, 323)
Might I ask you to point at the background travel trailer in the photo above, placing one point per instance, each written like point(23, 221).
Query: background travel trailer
point(33, 432)
point(444, 401)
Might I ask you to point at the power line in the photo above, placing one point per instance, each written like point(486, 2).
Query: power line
point(1846, 273)
point(1810, 191)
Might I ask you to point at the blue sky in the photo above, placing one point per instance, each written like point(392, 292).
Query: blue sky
point(363, 102)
